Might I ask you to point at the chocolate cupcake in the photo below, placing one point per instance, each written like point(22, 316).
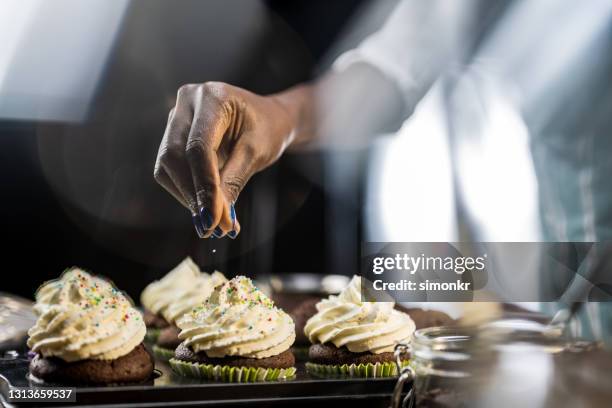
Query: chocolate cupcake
point(355, 338)
point(237, 335)
point(183, 301)
point(133, 368)
point(158, 294)
point(176, 293)
point(91, 334)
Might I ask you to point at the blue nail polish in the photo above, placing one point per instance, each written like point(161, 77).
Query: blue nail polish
point(206, 218)
point(233, 217)
point(232, 234)
point(232, 212)
point(218, 232)
point(197, 223)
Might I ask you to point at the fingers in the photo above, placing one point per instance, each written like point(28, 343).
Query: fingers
point(164, 180)
point(233, 233)
point(228, 225)
point(209, 126)
point(238, 169)
point(188, 162)
point(171, 170)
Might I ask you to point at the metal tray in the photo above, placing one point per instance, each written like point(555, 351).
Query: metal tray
point(171, 389)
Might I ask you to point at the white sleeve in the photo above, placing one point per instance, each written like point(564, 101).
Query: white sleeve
point(419, 40)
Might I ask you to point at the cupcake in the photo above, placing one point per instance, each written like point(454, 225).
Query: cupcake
point(183, 302)
point(354, 338)
point(158, 295)
point(298, 295)
point(237, 335)
point(88, 333)
point(55, 291)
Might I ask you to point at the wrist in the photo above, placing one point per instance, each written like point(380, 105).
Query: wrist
point(297, 102)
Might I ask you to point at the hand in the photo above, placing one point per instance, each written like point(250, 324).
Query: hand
point(217, 137)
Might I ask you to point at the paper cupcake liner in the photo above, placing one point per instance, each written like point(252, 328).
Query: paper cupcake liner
point(369, 370)
point(231, 374)
point(152, 335)
point(162, 353)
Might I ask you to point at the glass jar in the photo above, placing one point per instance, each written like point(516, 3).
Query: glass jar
point(506, 364)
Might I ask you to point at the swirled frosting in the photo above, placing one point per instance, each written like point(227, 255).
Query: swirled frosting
point(237, 320)
point(197, 293)
point(158, 295)
point(180, 290)
point(56, 291)
point(345, 320)
point(92, 321)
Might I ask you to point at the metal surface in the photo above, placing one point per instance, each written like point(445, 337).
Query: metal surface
point(406, 374)
point(172, 389)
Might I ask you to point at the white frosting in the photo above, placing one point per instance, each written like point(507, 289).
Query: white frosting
point(345, 320)
point(237, 320)
point(56, 292)
point(187, 299)
point(180, 290)
point(159, 294)
point(89, 321)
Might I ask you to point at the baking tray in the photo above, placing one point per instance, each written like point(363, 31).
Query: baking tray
point(169, 389)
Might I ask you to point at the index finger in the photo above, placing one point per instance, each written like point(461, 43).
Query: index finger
point(207, 130)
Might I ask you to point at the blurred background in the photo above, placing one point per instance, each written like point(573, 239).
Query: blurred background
point(510, 143)
point(85, 90)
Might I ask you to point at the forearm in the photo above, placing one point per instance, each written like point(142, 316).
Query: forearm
point(342, 109)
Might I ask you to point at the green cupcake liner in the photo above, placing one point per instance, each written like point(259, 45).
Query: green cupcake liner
point(152, 335)
point(369, 370)
point(162, 353)
point(231, 374)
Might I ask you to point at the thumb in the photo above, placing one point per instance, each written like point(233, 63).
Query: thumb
point(238, 169)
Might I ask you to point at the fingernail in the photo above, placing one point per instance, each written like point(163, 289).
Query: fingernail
point(232, 234)
point(206, 218)
point(197, 223)
point(232, 212)
point(218, 232)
